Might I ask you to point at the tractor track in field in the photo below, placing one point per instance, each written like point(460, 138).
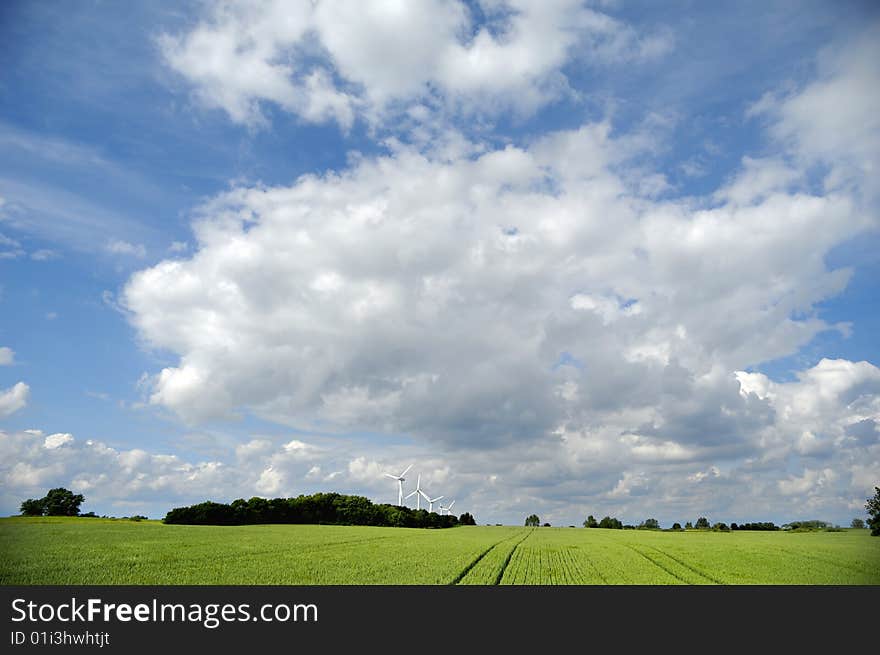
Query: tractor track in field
point(657, 564)
point(476, 561)
point(688, 566)
point(596, 569)
point(509, 557)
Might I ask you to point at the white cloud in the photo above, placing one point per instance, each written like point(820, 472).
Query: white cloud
point(119, 247)
point(338, 58)
point(7, 356)
point(57, 440)
point(269, 482)
point(835, 119)
point(757, 179)
point(13, 399)
point(435, 297)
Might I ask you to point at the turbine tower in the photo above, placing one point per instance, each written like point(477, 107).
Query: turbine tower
point(448, 510)
point(418, 493)
point(400, 479)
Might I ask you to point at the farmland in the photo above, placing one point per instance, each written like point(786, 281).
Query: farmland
point(71, 551)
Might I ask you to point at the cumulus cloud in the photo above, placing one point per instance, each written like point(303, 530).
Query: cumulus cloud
point(488, 299)
point(337, 59)
point(835, 119)
point(57, 440)
point(13, 399)
point(33, 463)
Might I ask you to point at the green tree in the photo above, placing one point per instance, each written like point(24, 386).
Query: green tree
point(591, 522)
point(676, 526)
point(702, 523)
point(856, 523)
point(62, 502)
point(873, 509)
point(533, 521)
point(32, 507)
point(610, 523)
point(688, 526)
point(650, 524)
point(467, 519)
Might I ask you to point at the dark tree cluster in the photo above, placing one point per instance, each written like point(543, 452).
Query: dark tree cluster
point(58, 502)
point(607, 522)
point(467, 519)
point(766, 525)
point(532, 520)
point(649, 524)
point(324, 508)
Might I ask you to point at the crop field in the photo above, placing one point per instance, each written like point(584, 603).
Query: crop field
point(72, 551)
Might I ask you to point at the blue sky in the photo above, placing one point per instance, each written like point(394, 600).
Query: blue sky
point(143, 315)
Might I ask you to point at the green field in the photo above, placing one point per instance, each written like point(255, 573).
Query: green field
point(98, 551)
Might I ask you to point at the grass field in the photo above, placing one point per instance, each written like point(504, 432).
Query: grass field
point(97, 551)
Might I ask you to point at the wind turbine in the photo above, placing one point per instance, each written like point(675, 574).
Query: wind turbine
point(431, 502)
point(418, 493)
point(400, 479)
point(448, 510)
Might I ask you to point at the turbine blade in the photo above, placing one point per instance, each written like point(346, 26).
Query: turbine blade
point(393, 477)
point(424, 495)
point(412, 493)
point(451, 504)
point(406, 471)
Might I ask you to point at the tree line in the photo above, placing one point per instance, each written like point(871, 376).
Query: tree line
point(872, 507)
point(324, 508)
